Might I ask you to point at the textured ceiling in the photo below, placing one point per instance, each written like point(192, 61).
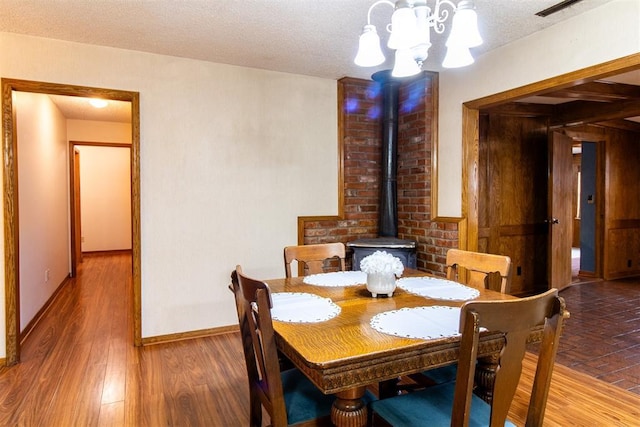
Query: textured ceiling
point(78, 108)
point(309, 37)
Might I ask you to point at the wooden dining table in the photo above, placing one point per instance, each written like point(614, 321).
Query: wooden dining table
point(345, 354)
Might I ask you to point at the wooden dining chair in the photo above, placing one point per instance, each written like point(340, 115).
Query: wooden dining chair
point(478, 269)
point(314, 258)
point(481, 270)
point(454, 404)
point(287, 396)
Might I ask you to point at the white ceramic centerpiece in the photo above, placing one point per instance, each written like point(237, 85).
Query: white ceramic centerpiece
point(382, 268)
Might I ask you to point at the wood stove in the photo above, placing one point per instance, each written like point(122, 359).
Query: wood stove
point(403, 249)
point(387, 239)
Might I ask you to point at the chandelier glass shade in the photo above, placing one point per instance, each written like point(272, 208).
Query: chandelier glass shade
point(410, 35)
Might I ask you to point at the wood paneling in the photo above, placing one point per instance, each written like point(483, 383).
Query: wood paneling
point(513, 193)
point(622, 204)
point(512, 201)
point(623, 254)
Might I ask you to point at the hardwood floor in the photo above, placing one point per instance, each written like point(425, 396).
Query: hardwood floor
point(79, 368)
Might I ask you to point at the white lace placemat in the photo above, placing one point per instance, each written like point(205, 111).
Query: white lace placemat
point(302, 307)
point(337, 278)
point(436, 288)
point(419, 322)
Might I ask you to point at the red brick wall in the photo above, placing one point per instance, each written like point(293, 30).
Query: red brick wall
point(360, 129)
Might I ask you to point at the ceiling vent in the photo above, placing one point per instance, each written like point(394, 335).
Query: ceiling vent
point(556, 8)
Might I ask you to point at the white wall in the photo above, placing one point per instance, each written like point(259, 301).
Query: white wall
point(105, 198)
point(602, 34)
point(230, 157)
point(43, 201)
point(105, 184)
point(94, 131)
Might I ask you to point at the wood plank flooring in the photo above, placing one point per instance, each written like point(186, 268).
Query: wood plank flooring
point(79, 368)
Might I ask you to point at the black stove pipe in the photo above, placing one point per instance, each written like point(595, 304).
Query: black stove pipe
point(388, 221)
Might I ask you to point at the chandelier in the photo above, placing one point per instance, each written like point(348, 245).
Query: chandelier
point(410, 35)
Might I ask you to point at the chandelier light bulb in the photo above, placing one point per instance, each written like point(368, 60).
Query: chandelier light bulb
point(405, 65)
point(369, 52)
point(464, 27)
point(457, 56)
point(403, 29)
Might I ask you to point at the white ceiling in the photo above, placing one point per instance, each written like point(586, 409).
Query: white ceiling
point(309, 37)
point(77, 108)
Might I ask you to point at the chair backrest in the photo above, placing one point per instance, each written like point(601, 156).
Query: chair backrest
point(480, 269)
point(253, 303)
point(314, 257)
point(516, 319)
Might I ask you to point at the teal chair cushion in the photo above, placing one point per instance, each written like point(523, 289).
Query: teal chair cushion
point(430, 407)
point(446, 374)
point(304, 401)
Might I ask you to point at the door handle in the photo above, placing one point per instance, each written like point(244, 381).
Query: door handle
point(552, 221)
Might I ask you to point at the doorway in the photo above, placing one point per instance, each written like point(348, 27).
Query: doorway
point(586, 214)
point(11, 214)
point(100, 202)
point(471, 119)
point(528, 197)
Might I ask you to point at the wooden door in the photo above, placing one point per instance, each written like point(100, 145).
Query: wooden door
point(559, 210)
point(512, 197)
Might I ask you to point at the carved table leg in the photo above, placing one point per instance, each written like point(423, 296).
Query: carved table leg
point(486, 376)
point(348, 409)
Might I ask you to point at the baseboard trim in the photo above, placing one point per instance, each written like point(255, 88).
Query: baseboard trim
point(589, 274)
point(109, 252)
point(202, 333)
point(40, 314)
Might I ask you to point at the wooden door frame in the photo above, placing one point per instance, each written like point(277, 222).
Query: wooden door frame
point(10, 198)
point(601, 141)
point(74, 209)
point(468, 237)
